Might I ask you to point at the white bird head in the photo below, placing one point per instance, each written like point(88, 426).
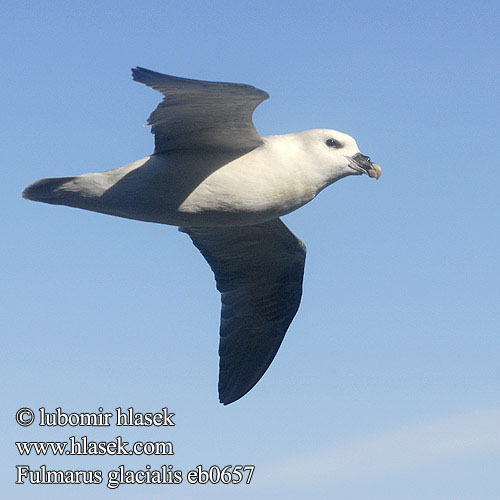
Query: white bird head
point(337, 153)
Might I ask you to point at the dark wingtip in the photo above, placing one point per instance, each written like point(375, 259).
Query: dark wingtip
point(137, 72)
point(229, 395)
point(146, 76)
point(227, 401)
point(157, 80)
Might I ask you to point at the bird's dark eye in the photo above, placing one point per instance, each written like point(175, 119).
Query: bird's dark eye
point(332, 143)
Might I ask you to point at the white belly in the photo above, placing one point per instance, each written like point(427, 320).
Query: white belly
point(247, 192)
point(198, 189)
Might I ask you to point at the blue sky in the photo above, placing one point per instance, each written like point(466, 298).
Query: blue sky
point(387, 383)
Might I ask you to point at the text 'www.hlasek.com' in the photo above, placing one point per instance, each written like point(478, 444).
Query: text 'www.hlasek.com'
point(120, 475)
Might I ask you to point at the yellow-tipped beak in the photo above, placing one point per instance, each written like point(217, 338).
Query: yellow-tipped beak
point(375, 171)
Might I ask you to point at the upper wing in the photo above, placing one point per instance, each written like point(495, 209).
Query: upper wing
point(258, 270)
point(197, 114)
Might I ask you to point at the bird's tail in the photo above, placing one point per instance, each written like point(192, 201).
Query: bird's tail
point(48, 190)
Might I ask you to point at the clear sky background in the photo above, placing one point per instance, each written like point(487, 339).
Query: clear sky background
point(387, 384)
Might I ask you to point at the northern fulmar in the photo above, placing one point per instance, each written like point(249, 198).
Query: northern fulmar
point(213, 175)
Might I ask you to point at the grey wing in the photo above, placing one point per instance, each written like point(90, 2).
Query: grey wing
point(259, 271)
point(198, 114)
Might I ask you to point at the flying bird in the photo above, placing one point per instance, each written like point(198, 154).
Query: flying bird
point(226, 186)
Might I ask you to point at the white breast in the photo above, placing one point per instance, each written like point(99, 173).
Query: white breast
point(263, 181)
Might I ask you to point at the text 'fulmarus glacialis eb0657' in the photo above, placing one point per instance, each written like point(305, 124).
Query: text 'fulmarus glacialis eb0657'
point(213, 175)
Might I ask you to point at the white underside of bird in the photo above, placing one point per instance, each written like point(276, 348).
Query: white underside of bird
point(276, 178)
